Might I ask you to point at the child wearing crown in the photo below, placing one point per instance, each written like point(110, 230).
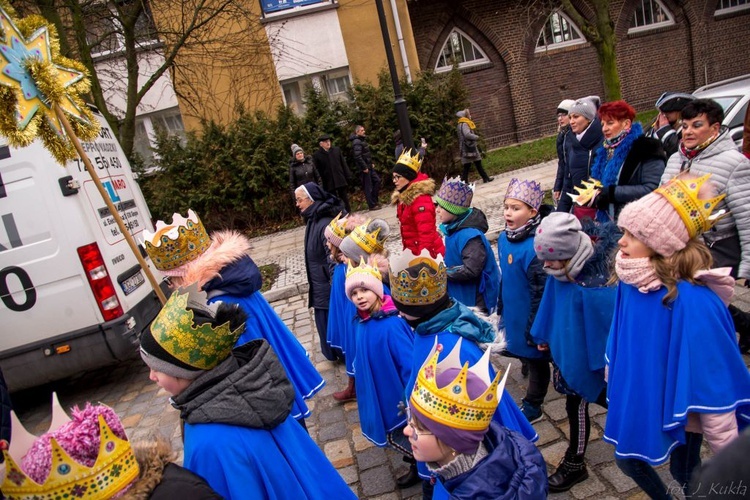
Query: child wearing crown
point(221, 266)
point(473, 275)
point(573, 322)
point(451, 429)
point(382, 365)
point(235, 403)
point(675, 374)
point(522, 287)
point(414, 206)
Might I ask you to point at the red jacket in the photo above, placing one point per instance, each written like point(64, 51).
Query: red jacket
point(416, 213)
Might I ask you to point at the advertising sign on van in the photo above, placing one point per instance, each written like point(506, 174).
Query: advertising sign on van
point(119, 190)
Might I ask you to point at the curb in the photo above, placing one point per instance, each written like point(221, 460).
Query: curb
point(286, 292)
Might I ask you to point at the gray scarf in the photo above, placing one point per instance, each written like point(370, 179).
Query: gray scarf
point(576, 262)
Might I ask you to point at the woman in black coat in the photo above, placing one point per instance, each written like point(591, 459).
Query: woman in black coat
point(301, 169)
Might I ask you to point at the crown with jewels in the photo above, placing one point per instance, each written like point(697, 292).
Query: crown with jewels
point(364, 270)
point(529, 192)
point(455, 195)
point(451, 404)
point(584, 194)
point(427, 287)
point(199, 346)
point(336, 230)
point(414, 161)
point(113, 470)
point(372, 241)
point(173, 245)
point(682, 194)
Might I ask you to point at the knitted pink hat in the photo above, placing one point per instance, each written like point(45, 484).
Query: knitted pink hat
point(655, 222)
point(363, 276)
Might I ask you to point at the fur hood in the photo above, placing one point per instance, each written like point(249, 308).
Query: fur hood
point(226, 248)
point(152, 456)
point(419, 186)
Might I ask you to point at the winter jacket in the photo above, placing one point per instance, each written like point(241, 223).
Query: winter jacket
point(467, 142)
point(318, 263)
point(361, 152)
point(416, 213)
point(669, 137)
point(561, 164)
point(579, 157)
point(5, 409)
point(731, 175)
point(301, 172)
point(332, 167)
point(640, 165)
point(746, 134)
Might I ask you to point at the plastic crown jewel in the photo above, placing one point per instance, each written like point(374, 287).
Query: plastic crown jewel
point(368, 242)
point(427, 287)
point(451, 404)
point(174, 245)
point(114, 469)
point(529, 192)
point(695, 212)
point(363, 269)
point(414, 161)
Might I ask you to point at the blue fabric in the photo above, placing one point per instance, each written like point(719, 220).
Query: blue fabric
point(348, 340)
point(574, 321)
point(667, 361)
point(261, 464)
point(608, 171)
point(263, 322)
point(241, 277)
point(382, 369)
point(515, 258)
point(488, 283)
point(341, 310)
point(460, 320)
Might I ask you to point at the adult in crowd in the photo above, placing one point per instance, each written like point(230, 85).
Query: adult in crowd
point(363, 161)
point(318, 208)
point(333, 170)
point(746, 134)
point(468, 147)
point(414, 206)
point(629, 165)
point(667, 126)
point(563, 125)
point(584, 137)
point(707, 148)
point(301, 169)
point(400, 145)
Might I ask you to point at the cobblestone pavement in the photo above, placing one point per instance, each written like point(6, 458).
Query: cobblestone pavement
point(370, 471)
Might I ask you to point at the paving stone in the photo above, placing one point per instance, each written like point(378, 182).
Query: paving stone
point(599, 452)
point(616, 478)
point(370, 458)
point(331, 432)
point(331, 416)
point(131, 420)
point(361, 443)
point(129, 396)
point(376, 481)
point(388, 496)
point(339, 453)
point(547, 432)
point(588, 488)
point(352, 417)
point(595, 434)
point(350, 474)
point(555, 409)
point(553, 453)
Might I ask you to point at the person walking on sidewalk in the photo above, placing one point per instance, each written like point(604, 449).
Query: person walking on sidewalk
point(333, 170)
point(363, 162)
point(301, 169)
point(468, 147)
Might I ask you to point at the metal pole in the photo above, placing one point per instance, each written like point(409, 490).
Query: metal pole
point(399, 103)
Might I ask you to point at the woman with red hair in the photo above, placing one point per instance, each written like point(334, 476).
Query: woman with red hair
point(629, 165)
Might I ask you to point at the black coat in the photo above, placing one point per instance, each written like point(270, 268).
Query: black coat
point(5, 408)
point(178, 482)
point(579, 157)
point(302, 172)
point(332, 168)
point(560, 143)
point(361, 152)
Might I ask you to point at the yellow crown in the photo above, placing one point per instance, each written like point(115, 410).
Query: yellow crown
point(584, 194)
point(413, 162)
point(451, 404)
point(174, 245)
point(682, 194)
point(363, 269)
point(427, 287)
point(369, 242)
point(337, 227)
point(114, 469)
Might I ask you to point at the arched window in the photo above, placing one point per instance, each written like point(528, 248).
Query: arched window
point(729, 6)
point(461, 50)
point(558, 31)
point(650, 14)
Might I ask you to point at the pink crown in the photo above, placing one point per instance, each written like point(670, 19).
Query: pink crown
point(529, 192)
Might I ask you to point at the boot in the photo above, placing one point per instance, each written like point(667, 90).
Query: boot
point(568, 473)
point(409, 479)
point(742, 326)
point(347, 394)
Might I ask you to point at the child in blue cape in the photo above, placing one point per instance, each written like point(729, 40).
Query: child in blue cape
point(236, 404)
point(382, 367)
point(573, 323)
point(468, 454)
point(675, 373)
point(473, 275)
point(522, 287)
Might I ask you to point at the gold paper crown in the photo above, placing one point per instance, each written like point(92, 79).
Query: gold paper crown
point(413, 162)
point(363, 269)
point(682, 194)
point(367, 241)
point(427, 287)
point(337, 226)
point(451, 404)
point(584, 194)
point(114, 469)
point(200, 346)
point(176, 244)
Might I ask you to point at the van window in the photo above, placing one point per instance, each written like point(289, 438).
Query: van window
point(738, 120)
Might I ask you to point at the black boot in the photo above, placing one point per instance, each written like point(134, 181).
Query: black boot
point(410, 478)
point(742, 326)
point(568, 473)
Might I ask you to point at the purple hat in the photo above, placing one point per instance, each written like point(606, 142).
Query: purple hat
point(455, 196)
point(529, 192)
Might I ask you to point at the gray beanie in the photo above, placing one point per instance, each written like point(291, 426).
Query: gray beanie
point(296, 148)
point(558, 236)
point(463, 113)
point(586, 107)
point(364, 241)
point(564, 106)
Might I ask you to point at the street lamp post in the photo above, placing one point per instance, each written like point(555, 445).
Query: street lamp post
point(399, 103)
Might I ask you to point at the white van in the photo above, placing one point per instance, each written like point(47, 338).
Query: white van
point(72, 294)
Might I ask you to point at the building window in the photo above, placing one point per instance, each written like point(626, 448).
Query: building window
point(335, 84)
point(337, 87)
point(649, 14)
point(104, 31)
point(461, 50)
point(168, 121)
point(559, 31)
point(729, 6)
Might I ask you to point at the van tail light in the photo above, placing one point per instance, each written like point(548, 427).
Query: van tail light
point(101, 284)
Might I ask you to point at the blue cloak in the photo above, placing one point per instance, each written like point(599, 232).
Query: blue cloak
point(665, 362)
point(341, 310)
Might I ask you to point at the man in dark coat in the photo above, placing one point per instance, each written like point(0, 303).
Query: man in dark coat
point(331, 164)
point(363, 161)
point(318, 208)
